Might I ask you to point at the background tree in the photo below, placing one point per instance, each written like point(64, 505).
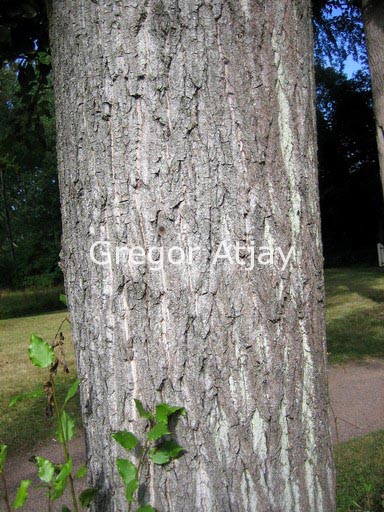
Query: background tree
point(30, 209)
point(187, 124)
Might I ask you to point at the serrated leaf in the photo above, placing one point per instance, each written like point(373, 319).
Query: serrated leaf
point(63, 299)
point(65, 470)
point(58, 489)
point(23, 396)
point(81, 472)
point(143, 413)
point(146, 508)
point(68, 426)
point(3, 456)
point(126, 439)
point(159, 430)
point(171, 448)
point(72, 391)
point(163, 411)
point(22, 494)
point(165, 452)
point(127, 470)
point(130, 489)
point(46, 469)
point(40, 352)
point(159, 458)
point(86, 497)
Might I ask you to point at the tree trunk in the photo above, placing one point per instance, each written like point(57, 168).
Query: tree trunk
point(187, 124)
point(373, 17)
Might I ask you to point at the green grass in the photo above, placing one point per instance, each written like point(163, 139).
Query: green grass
point(19, 303)
point(25, 423)
point(360, 474)
point(355, 313)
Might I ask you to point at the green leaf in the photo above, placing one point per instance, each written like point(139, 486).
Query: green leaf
point(68, 426)
point(44, 58)
point(46, 469)
point(22, 494)
point(159, 458)
point(159, 430)
point(81, 472)
point(146, 508)
point(165, 452)
point(65, 471)
point(3, 456)
point(63, 299)
point(72, 391)
point(40, 352)
point(59, 488)
point(163, 411)
point(143, 413)
point(23, 396)
point(87, 496)
point(65, 509)
point(127, 470)
point(130, 489)
point(126, 439)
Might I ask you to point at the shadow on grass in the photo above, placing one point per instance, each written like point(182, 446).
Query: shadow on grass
point(19, 303)
point(25, 424)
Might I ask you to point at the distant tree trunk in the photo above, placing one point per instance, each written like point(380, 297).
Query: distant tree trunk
point(7, 215)
point(373, 17)
point(187, 124)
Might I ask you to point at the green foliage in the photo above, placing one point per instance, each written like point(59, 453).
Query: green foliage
point(42, 355)
point(158, 431)
point(22, 494)
point(126, 439)
point(40, 352)
point(86, 497)
point(46, 469)
point(3, 456)
point(157, 448)
point(23, 396)
point(72, 391)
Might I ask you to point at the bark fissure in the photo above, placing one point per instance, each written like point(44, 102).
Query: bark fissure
point(188, 124)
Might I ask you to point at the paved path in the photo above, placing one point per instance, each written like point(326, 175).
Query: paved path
point(357, 408)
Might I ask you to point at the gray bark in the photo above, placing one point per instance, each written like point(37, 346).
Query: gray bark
point(373, 17)
point(184, 124)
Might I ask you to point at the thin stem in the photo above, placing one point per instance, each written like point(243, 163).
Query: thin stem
point(139, 466)
point(64, 442)
point(49, 499)
point(66, 319)
point(5, 495)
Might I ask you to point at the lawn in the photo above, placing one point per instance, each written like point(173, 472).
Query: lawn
point(360, 474)
point(29, 302)
point(26, 422)
point(355, 313)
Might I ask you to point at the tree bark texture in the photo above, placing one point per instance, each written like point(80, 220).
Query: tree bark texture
point(188, 123)
point(373, 18)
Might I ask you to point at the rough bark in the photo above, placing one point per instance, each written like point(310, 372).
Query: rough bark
point(373, 17)
point(184, 124)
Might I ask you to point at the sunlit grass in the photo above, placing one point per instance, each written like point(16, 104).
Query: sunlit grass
point(25, 423)
point(355, 313)
point(360, 474)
